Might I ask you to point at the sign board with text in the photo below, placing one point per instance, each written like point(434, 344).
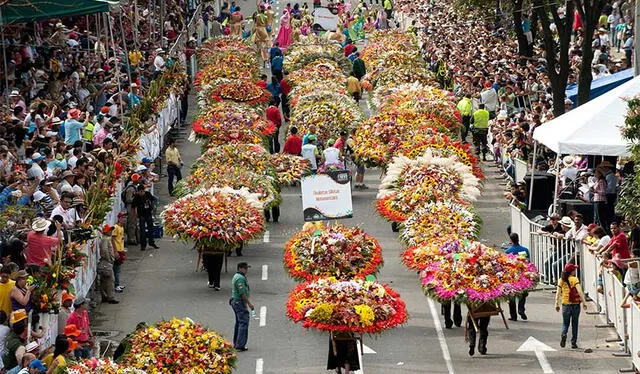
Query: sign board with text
point(327, 196)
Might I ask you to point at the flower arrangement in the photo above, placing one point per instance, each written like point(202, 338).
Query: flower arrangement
point(319, 70)
point(441, 146)
point(179, 346)
point(310, 87)
point(224, 119)
point(417, 257)
point(378, 138)
point(478, 274)
point(289, 168)
point(441, 219)
point(235, 177)
point(306, 51)
point(98, 366)
point(247, 156)
point(218, 216)
point(355, 305)
point(241, 91)
point(15, 217)
point(327, 168)
point(343, 252)
point(224, 43)
point(329, 112)
point(412, 183)
point(228, 65)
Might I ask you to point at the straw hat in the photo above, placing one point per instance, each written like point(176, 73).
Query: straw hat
point(566, 221)
point(40, 224)
point(568, 161)
point(17, 316)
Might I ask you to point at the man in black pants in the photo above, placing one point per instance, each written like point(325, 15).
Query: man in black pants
point(143, 203)
point(483, 327)
point(212, 261)
point(457, 315)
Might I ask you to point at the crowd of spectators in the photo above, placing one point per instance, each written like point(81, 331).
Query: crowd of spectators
point(69, 91)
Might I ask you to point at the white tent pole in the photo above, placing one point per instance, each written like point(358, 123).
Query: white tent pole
point(117, 66)
point(4, 56)
point(533, 170)
point(555, 188)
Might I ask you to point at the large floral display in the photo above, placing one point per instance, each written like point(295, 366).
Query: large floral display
point(218, 216)
point(346, 306)
point(228, 122)
point(338, 251)
point(305, 52)
point(289, 168)
point(441, 219)
point(478, 274)
point(179, 346)
point(412, 183)
point(97, 366)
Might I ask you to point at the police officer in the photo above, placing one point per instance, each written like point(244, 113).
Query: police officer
point(480, 130)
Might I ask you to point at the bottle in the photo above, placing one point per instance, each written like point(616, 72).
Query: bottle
point(253, 314)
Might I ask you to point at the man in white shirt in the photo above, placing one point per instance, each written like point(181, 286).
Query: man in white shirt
point(65, 183)
point(35, 171)
point(489, 97)
point(569, 173)
point(310, 152)
point(63, 209)
point(579, 231)
point(331, 154)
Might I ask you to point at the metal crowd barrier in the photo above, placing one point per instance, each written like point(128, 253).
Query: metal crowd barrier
point(550, 254)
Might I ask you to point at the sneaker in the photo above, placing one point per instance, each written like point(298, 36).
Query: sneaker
point(119, 289)
point(242, 349)
point(153, 245)
point(216, 288)
point(210, 285)
point(574, 345)
point(364, 186)
point(523, 316)
point(472, 350)
point(563, 341)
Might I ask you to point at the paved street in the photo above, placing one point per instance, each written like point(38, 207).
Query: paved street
point(163, 283)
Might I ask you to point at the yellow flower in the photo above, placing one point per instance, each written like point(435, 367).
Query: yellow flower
point(322, 313)
point(366, 314)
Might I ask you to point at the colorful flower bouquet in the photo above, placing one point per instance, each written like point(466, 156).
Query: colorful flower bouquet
point(247, 156)
point(355, 305)
point(311, 87)
point(241, 91)
point(289, 168)
point(441, 219)
point(378, 138)
point(478, 274)
point(441, 146)
point(225, 43)
point(180, 346)
point(339, 251)
point(329, 112)
point(317, 71)
point(412, 183)
point(235, 177)
point(218, 216)
point(228, 65)
point(303, 53)
point(224, 119)
point(97, 366)
point(328, 168)
point(418, 257)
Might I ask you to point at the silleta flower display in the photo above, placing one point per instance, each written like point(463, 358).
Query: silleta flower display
point(412, 183)
point(97, 366)
point(223, 119)
point(441, 219)
point(217, 215)
point(339, 251)
point(478, 274)
point(289, 168)
point(356, 306)
point(179, 346)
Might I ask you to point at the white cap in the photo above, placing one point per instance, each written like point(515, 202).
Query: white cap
point(38, 195)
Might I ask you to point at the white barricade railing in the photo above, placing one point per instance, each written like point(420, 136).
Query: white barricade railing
point(516, 219)
point(520, 169)
point(589, 268)
point(634, 339)
point(550, 255)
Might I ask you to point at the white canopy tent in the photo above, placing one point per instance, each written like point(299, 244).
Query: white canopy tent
point(590, 129)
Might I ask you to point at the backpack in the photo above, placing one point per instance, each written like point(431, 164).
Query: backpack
point(574, 296)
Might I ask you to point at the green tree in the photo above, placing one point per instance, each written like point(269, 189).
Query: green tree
point(629, 202)
point(589, 11)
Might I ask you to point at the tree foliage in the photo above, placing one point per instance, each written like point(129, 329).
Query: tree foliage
point(629, 203)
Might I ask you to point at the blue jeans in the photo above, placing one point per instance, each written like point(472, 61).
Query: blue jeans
point(241, 329)
point(116, 273)
point(82, 352)
point(570, 315)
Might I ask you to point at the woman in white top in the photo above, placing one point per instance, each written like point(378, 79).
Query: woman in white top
point(603, 239)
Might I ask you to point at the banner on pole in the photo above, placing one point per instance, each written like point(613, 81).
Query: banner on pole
point(327, 196)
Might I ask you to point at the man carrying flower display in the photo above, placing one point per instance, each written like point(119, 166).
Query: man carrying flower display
point(517, 250)
point(239, 303)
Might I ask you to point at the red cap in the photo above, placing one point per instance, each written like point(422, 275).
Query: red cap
point(570, 267)
point(104, 110)
point(592, 226)
point(135, 177)
point(487, 84)
point(107, 228)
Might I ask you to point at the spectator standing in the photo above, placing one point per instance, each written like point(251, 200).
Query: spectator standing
point(359, 68)
point(18, 323)
point(105, 266)
point(618, 246)
point(80, 318)
point(21, 293)
point(240, 303)
point(6, 285)
point(569, 296)
point(174, 164)
point(65, 310)
point(517, 250)
point(144, 202)
point(40, 246)
point(127, 197)
point(117, 240)
point(272, 113)
point(73, 125)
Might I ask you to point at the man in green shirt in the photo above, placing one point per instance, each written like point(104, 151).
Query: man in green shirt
point(239, 303)
point(480, 130)
point(388, 7)
point(465, 106)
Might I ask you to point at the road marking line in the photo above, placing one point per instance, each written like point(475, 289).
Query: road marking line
point(441, 337)
point(265, 238)
point(259, 366)
point(265, 272)
point(263, 316)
